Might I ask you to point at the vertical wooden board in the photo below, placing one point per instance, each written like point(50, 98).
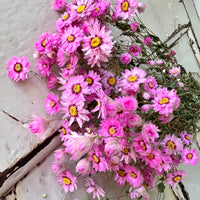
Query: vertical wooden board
point(21, 24)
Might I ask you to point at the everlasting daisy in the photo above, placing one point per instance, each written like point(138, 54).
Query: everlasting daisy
point(65, 130)
point(165, 101)
point(126, 8)
point(59, 155)
point(127, 153)
point(52, 81)
point(131, 80)
point(150, 84)
point(186, 138)
point(150, 130)
point(94, 188)
point(128, 103)
point(38, 125)
point(126, 58)
point(52, 103)
point(18, 67)
point(71, 39)
point(189, 156)
point(175, 177)
point(166, 118)
point(92, 79)
point(100, 8)
point(135, 51)
point(97, 46)
point(120, 176)
point(68, 181)
point(134, 26)
point(44, 67)
point(75, 88)
point(147, 41)
point(59, 4)
point(112, 147)
point(75, 111)
point(83, 166)
point(175, 71)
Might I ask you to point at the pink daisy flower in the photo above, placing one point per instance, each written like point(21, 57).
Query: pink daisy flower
point(150, 130)
point(146, 107)
point(38, 125)
point(52, 104)
point(100, 8)
point(112, 147)
point(45, 43)
point(134, 120)
point(120, 176)
point(97, 46)
point(97, 191)
point(68, 181)
point(189, 156)
point(65, 130)
point(18, 67)
point(135, 51)
point(175, 177)
point(66, 20)
point(44, 67)
point(134, 26)
point(165, 101)
point(131, 80)
point(99, 162)
point(173, 143)
point(71, 39)
point(55, 167)
point(126, 58)
point(59, 155)
point(75, 88)
point(133, 176)
point(59, 4)
point(186, 138)
point(52, 81)
point(175, 71)
point(111, 127)
point(92, 79)
point(74, 110)
point(126, 8)
point(83, 8)
point(150, 84)
point(166, 118)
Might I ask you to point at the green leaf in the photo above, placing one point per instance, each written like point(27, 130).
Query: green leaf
point(161, 187)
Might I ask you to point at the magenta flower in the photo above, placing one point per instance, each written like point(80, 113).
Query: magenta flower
point(147, 41)
point(141, 7)
point(97, 46)
point(126, 8)
point(68, 181)
point(83, 166)
point(175, 71)
point(186, 138)
point(71, 39)
point(128, 103)
point(189, 156)
point(38, 125)
point(44, 67)
point(59, 155)
point(175, 177)
point(52, 81)
point(52, 104)
point(112, 147)
point(150, 130)
point(150, 84)
point(59, 4)
point(94, 188)
point(18, 67)
point(165, 101)
point(131, 80)
point(166, 118)
point(134, 26)
point(126, 58)
point(100, 8)
point(135, 51)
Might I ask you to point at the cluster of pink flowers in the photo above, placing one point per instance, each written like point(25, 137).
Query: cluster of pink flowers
point(102, 125)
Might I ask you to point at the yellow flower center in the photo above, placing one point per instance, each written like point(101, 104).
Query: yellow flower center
point(189, 156)
point(73, 111)
point(187, 137)
point(151, 156)
point(126, 150)
point(150, 85)
point(171, 145)
point(76, 88)
point(112, 81)
point(98, 103)
point(97, 9)
point(177, 178)
point(96, 159)
point(65, 17)
point(18, 67)
point(133, 175)
point(63, 131)
point(175, 71)
point(112, 130)
point(44, 42)
point(70, 38)
point(142, 144)
point(121, 173)
point(145, 185)
point(132, 78)
point(125, 6)
point(89, 81)
point(66, 181)
point(81, 8)
point(44, 66)
point(95, 42)
point(163, 101)
point(68, 66)
point(52, 104)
